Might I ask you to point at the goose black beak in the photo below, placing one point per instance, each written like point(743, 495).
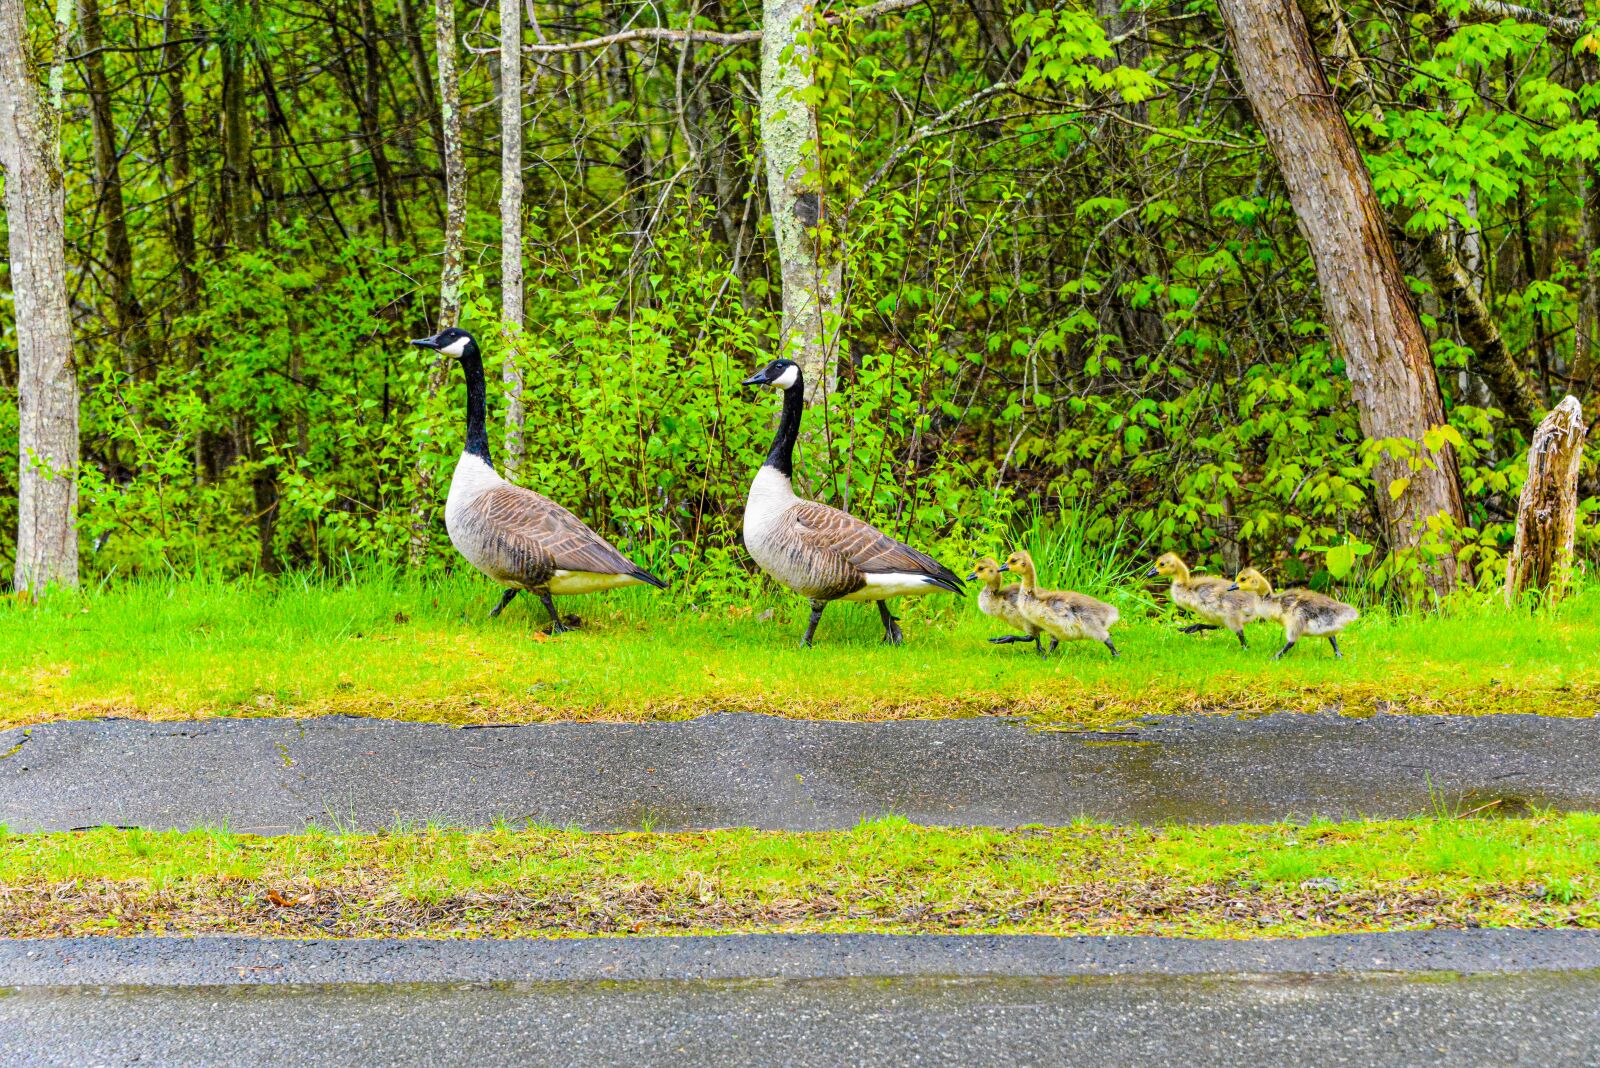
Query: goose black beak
point(758, 379)
point(1152, 573)
point(425, 342)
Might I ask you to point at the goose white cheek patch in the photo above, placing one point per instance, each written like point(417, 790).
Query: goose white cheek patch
point(455, 348)
point(785, 380)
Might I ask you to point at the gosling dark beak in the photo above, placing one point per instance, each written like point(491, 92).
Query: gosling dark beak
point(971, 578)
point(1152, 573)
point(425, 342)
point(1233, 587)
point(1005, 567)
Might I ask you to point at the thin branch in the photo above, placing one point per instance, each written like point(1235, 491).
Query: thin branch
point(1496, 10)
point(925, 131)
point(685, 37)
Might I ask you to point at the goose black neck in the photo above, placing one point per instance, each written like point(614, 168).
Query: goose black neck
point(477, 432)
point(781, 455)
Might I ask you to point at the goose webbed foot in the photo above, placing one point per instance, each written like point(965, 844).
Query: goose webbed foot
point(509, 596)
point(891, 626)
point(1196, 628)
point(811, 626)
point(557, 625)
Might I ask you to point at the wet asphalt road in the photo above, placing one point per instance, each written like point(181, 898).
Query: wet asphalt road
point(277, 776)
point(1543, 1019)
point(236, 960)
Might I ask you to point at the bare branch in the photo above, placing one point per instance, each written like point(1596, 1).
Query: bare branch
point(925, 131)
point(1495, 10)
point(685, 37)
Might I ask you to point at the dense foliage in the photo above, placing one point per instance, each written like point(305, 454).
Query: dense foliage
point(1073, 279)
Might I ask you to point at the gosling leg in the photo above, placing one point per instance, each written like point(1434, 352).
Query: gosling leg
point(1285, 649)
point(1055, 643)
point(556, 626)
point(1113, 648)
point(1240, 635)
point(891, 629)
point(811, 627)
point(1007, 639)
point(1197, 628)
point(1333, 640)
point(509, 596)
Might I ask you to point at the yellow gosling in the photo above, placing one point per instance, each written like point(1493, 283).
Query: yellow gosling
point(1218, 603)
point(1064, 615)
point(1300, 611)
point(1000, 602)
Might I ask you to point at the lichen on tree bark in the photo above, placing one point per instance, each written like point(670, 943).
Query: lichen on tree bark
point(790, 144)
point(47, 388)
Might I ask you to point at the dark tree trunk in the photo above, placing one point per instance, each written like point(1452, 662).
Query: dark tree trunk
point(1365, 301)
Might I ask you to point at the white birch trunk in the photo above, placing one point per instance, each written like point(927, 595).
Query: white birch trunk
point(790, 144)
point(47, 388)
point(511, 225)
point(455, 220)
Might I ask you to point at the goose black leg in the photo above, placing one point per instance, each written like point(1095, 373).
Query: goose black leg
point(1007, 639)
point(556, 626)
point(1197, 628)
point(811, 627)
point(1113, 648)
point(1240, 634)
point(508, 597)
point(1333, 640)
point(1055, 643)
point(891, 629)
point(1285, 649)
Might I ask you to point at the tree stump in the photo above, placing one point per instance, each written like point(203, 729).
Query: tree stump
point(1547, 517)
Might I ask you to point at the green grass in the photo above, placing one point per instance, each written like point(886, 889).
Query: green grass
point(423, 650)
point(886, 875)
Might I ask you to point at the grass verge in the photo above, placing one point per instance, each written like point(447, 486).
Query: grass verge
point(886, 875)
point(410, 649)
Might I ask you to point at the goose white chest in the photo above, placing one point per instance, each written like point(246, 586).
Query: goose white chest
point(771, 494)
point(472, 479)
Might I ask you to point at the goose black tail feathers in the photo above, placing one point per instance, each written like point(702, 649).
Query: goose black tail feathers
point(644, 576)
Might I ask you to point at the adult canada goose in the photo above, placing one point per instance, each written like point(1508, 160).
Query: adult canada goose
point(1063, 614)
point(518, 538)
point(1300, 611)
point(1218, 602)
point(818, 551)
point(1000, 602)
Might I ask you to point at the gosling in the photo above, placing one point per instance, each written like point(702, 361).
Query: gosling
point(1064, 615)
point(1300, 611)
point(1000, 602)
point(1218, 603)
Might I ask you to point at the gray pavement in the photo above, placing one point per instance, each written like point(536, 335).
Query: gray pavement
point(236, 960)
point(281, 775)
point(1540, 1019)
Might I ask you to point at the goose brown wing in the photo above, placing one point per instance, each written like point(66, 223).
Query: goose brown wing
point(537, 529)
point(864, 547)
